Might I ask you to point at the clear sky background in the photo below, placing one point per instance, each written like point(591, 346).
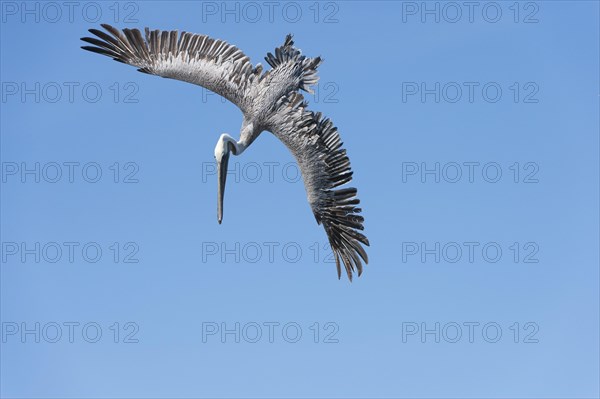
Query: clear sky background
point(516, 316)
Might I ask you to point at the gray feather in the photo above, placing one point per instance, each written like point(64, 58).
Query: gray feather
point(270, 101)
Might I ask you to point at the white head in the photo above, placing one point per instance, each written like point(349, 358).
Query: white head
point(222, 147)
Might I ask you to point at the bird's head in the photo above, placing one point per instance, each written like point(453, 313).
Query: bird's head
point(222, 151)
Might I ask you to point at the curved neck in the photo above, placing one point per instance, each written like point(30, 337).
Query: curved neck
point(237, 147)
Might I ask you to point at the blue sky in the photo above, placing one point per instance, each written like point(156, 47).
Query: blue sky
point(473, 134)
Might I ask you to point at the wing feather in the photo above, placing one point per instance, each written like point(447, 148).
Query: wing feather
point(317, 147)
point(197, 59)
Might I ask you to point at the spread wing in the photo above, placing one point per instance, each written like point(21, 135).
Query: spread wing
point(198, 59)
point(316, 145)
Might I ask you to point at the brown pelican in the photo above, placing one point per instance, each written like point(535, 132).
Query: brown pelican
point(269, 101)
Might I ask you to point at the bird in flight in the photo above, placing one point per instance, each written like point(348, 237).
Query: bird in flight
point(270, 101)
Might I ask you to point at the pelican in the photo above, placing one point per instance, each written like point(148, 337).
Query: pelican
point(270, 101)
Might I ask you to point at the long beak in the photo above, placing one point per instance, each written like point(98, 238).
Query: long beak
point(221, 178)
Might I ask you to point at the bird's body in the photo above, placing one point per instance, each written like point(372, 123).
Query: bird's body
point(269, 101)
